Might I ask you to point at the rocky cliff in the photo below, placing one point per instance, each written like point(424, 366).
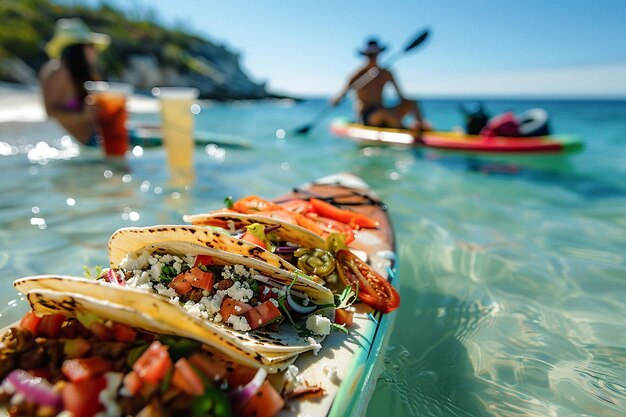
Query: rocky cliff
point(142, 52)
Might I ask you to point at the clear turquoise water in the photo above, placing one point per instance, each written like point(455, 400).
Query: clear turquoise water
point(512, 270)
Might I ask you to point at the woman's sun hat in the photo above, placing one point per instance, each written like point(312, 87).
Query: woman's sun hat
point(372, 48)
point(68, 32)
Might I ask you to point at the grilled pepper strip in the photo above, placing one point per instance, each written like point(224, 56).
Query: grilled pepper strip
point(315, 261)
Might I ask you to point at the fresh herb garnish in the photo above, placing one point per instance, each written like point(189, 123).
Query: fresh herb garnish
point(339, 327)
point(347, 297)
point(92, 275)
point(168, 273)
point(228, 201)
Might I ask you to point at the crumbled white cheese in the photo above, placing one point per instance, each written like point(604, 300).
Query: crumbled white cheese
point(279, 292)
point(240, 291)
point(266, 290)
point(316, 346)
point(135, 261)
point(292, 377)
point(217, 318)
point(274, 301)
point(197, 309)
point(242, 271)
point(213, 304)
point(108, 396)
point(318, 324)
point(166, 291)
point(239, 323)
point(138, 278)
point(331, 373)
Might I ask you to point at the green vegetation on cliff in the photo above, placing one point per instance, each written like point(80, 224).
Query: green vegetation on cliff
point(142, 51)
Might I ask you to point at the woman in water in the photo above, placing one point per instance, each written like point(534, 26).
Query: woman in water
point(73, 51)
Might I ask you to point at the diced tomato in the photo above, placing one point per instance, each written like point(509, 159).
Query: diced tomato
point(81, 398)
point(132, 382)
point(153, 364)
point(262, 314)
point(348, 217)
point(213, 368)
point(374, 290)
point(230, 306)
point(249, 237)
point(101, 331)
point(78, 370)
point(343, 316)
point(240, 376)
point(201, 279)
point(76, 348)
point(267, 402)
point(123, 333)
point(30, 322)
point(266, 293)
point(181, 283)
point(203, 260)
point(50, 325)
point(254, 204)
point(186, 379)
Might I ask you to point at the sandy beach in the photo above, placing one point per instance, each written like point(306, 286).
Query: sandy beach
point(23, 119)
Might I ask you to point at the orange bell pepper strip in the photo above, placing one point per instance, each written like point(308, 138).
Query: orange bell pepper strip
point(254, 204)
point(352, 218)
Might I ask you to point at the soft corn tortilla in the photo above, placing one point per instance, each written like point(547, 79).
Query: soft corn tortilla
point(287, 231)
point(270, 346)
point(46, 301)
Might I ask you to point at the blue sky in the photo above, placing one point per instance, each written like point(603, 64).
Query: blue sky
point(476, 47)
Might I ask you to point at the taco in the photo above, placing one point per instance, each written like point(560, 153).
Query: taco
point(135, 307)
point(312, 234)
point(239, 292)
point(88, 357)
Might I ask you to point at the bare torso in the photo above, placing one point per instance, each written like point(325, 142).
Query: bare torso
point(61, 101)
point(371, 94)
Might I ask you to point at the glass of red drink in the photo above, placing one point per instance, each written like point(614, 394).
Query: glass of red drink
point(110, 102)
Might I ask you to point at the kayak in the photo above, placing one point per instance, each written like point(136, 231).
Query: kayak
point(151, 136)
point(455, 141)
point(346, 368)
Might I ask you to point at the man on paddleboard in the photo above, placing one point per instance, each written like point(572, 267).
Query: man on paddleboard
point(368, 83)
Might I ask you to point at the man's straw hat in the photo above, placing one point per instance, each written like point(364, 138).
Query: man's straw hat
point(372, 48)
point(68, 32)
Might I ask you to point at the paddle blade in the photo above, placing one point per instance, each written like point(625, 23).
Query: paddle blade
point(418, 40)
point(303, 130)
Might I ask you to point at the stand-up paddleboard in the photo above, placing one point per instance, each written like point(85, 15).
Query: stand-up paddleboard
point(151, 136)
point(348, 365)
point(457, 141)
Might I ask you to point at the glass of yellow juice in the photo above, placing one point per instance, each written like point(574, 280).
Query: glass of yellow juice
point(177, 123)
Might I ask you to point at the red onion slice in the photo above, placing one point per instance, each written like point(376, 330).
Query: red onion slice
point(34, 389)
point(299, 308)
point(240, 396)
point(113, 277)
